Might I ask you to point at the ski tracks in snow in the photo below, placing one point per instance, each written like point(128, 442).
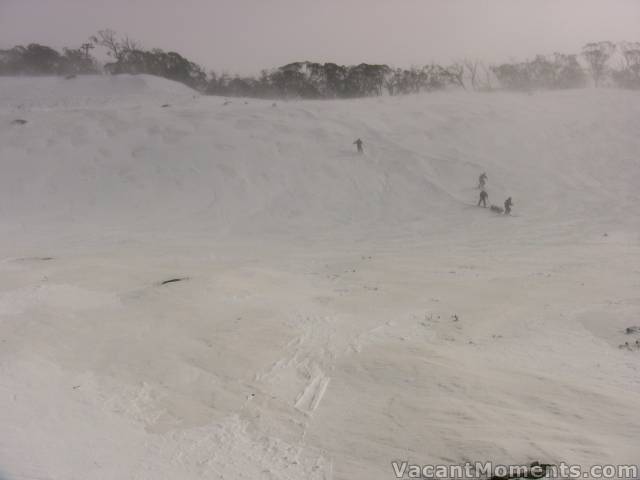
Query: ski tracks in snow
point(307, 360)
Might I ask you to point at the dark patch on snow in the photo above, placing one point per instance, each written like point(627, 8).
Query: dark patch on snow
point(632, 330)
point(34, 259)
point(174, 280)
point(18, 121)
point(166, 105)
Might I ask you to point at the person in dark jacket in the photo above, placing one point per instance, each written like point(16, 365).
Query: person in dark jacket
point(358, 143)
point(508, 203)
point(482, 180)
point(483, 198)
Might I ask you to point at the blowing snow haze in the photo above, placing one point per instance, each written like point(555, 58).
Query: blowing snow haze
point(245, 36)
point(405, 236)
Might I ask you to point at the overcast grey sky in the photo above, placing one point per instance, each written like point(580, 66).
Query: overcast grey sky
point(247, 35)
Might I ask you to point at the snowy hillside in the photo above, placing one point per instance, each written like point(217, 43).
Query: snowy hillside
point(335, 311)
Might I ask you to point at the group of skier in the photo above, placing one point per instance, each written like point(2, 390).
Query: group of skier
point(482, 182)
point(484, 196)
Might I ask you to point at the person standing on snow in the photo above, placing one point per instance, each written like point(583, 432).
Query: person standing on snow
point(358, 143)
point(482, 180)
point(507, 206)
point(483, 198)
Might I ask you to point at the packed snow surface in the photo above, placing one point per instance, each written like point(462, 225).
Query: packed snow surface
point(331, 312)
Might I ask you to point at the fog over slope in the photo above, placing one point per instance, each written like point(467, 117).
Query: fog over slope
point(337, 311)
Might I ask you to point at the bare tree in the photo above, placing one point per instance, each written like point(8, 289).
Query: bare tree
point(107, 39)
point(472, 69)
point(597, 55)
point(631, 55)
point(485, 83)
point(116, 48)
point(627, 75)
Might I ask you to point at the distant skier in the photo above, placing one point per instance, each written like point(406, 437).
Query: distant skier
point(483, 198)
point(482, 181)
point(358, 143)
point(507, 206)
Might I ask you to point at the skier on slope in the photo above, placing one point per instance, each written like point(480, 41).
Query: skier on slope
point(483, 198)
point(358, 143)
point(482, 180)
point(508, 203)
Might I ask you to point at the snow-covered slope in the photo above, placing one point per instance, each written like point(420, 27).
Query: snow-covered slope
point(42, 93)
point(120, 155)
point(339, 311)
